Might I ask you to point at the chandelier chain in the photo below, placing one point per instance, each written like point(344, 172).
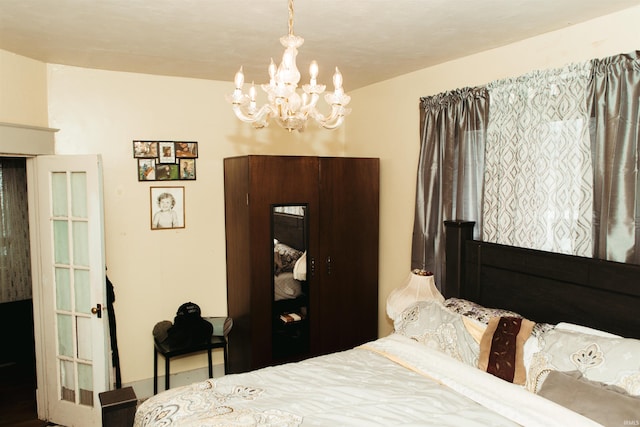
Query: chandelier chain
point(290, 17)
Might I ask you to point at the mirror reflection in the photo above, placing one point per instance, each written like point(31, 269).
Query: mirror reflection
point(290, 285)
point(289, 251)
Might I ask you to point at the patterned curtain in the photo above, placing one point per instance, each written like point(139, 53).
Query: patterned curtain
point(15, 264)
point(449, 185)
point(538, 175)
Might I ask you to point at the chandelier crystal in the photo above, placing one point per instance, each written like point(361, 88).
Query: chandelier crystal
point(289, 108)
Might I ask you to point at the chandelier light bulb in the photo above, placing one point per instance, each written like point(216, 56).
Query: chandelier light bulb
point(289, 107)
point(272, 72)
point(239, 79)
point(313, 72)
point(337, 79)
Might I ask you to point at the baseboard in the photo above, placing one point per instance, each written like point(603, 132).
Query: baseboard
point(144, 388)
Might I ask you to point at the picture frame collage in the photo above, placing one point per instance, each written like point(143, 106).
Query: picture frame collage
point(165, 160)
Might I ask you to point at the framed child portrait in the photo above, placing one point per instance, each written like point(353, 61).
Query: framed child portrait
point(167, 208)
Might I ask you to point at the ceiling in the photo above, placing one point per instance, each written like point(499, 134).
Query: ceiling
point(369, 40)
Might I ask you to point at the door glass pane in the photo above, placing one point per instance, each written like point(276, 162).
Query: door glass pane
point(59, 193)
point(67, 381)
point(84, 330)
point(81, 243)
point(82, 291)
point(85, 382)
point(63, 289)
point(65, 335)
point(79, 192)
point(61, 242)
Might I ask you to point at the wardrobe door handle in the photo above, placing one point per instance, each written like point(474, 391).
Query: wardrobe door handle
point(329, 265)
point(313, 267)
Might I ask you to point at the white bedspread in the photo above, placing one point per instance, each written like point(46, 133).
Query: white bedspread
point(392, 381)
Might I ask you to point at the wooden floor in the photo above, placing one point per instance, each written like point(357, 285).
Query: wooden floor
point(18, 396)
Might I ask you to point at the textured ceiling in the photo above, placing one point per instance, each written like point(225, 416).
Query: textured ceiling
point(369, 40)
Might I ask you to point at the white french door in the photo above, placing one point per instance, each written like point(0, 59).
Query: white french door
point(73, 293)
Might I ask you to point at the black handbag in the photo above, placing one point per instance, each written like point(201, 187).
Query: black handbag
point(189, 328)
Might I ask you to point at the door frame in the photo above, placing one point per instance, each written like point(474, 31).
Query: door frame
point(36, 285)
point(30, 141)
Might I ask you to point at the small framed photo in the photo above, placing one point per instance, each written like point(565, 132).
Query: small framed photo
point(187, 168)
point(187, 149)
point(166, 172)
point(145, 149)
point(167, 208)
point(146, 169)
point(167, 152)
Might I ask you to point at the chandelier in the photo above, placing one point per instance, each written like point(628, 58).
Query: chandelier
point(289, 108)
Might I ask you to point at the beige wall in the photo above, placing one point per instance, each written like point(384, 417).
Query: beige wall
point(23, 90)
point(155, 271)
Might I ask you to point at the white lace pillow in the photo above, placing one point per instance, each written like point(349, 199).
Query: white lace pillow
point(610, 360)
point(432, 325)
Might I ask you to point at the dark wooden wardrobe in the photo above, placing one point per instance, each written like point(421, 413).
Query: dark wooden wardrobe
point(336, 307)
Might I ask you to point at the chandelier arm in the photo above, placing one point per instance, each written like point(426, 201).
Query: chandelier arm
point(334, 125)
point(334, 119)
point(310, 105)
point(260, 116)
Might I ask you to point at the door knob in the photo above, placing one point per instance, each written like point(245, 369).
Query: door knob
point(97, 310)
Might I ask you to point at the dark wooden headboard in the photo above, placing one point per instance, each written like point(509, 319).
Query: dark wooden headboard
point(289, 229)
point(543, 286)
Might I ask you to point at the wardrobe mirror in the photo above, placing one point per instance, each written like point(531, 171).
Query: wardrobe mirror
point(289, 228)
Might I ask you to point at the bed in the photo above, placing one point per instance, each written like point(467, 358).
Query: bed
point(522, 337)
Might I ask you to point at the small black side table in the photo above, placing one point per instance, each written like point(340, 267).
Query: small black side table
point(216, 341)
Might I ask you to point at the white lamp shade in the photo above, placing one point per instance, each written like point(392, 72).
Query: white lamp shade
point(419, 286)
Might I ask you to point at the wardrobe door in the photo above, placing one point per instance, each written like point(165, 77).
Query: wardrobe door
point(348, 261)
point(274, 181)
point(253, 185)
point(239, 277)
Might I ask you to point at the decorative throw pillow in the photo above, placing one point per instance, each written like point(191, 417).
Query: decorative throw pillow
point(300, 267)
point(474, 327)
point(610, 360)
point(502, 348)
point(285, 257)
point(564, 326)
point(432, 325)
point(607, 405)
point(483, 314)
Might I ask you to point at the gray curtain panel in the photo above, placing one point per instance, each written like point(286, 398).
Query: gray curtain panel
point(615, 136)
point(450, 170)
